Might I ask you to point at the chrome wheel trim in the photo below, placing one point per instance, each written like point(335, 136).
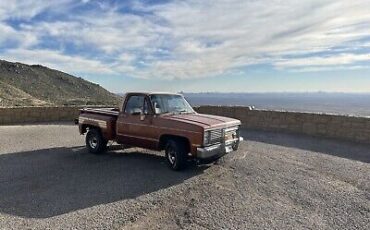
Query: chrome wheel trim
point(93, 142)
point(171, 155)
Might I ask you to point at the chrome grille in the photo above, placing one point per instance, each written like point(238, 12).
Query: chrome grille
point(216, 136)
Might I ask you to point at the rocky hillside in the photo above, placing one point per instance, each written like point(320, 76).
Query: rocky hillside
point(36, 85)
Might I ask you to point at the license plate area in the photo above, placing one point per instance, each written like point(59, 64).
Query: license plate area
point(228, 149)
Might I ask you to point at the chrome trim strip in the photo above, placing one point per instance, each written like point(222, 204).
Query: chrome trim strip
point(231, 129)
point(106, 111)
point(139, 137)
point(132, 123)
point(222, 126)
point(101, 124)
point(158, 127)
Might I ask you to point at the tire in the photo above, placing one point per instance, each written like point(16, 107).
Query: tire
point(236, 145)
point(176, 155)
point(220, 161)
point(95, 142)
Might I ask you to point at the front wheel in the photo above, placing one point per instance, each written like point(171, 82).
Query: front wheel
point(95, 142)
point(176, 155)
point(235, 146)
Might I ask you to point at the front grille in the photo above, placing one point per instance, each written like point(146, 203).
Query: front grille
point(216, 136)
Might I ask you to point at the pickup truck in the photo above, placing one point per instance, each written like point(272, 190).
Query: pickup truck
point(160, 121)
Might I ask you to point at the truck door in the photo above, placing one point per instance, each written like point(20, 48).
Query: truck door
point(135, 121)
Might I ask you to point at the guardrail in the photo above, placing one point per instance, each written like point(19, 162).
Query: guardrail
point(343, 127)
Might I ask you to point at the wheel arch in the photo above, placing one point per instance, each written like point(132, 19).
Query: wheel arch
point(85, 127)
point(166, 137)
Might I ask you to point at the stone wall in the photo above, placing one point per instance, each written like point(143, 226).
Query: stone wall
point(321, 125)
point(18, 115)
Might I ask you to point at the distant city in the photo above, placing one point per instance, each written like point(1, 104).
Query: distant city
point(320, 102)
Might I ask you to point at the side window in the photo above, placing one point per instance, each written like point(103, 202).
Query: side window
point(134, 105)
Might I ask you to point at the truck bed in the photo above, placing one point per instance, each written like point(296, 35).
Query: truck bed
point(103, 111)
point(102, 118)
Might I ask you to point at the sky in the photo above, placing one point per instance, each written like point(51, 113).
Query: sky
point(193, 45)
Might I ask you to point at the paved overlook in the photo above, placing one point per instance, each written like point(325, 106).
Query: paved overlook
point(48, 180)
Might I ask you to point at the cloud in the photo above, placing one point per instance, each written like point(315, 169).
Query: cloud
point(27, 9)
point(189, 39)
point(338, 59)
point(57, 60)
point(13, 38)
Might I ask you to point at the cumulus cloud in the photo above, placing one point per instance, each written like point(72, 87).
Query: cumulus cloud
point(57, 60)
point(191, 39)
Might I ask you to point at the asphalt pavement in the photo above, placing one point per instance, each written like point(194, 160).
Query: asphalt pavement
point(274, 181)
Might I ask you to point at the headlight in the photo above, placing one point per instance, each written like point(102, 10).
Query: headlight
point(206, 137)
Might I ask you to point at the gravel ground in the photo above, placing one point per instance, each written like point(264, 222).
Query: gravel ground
point(274, 181)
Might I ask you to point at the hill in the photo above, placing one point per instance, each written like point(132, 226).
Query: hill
point(36, 85)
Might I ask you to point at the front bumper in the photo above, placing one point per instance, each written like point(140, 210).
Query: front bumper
point(217, 150)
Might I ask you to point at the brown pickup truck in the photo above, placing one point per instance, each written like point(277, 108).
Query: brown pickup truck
point(160, 121)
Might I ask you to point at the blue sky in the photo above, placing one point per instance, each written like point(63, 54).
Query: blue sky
point(195, 46)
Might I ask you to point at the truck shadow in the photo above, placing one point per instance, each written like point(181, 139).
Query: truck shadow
point(338, 148)
point(50, 182)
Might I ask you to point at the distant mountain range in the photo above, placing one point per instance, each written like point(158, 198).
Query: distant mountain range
point(319, 102)
point(357, 104)
point(36, 85)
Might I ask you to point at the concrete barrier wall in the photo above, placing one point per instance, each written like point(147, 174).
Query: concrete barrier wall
point(321, 125)
point(18, 115)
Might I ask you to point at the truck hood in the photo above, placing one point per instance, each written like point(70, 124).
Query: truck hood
point(204, 120)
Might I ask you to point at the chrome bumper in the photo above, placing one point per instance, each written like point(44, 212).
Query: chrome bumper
point(216, 150)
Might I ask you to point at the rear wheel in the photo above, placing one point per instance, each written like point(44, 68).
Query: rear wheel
point(95, 142)
point(176, 154)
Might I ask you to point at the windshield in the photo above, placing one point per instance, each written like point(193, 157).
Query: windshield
point(167, 103)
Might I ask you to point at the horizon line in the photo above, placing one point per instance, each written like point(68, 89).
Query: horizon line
point(265, 92)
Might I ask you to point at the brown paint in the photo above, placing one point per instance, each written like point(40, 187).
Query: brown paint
point(146, 130)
